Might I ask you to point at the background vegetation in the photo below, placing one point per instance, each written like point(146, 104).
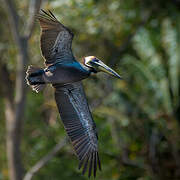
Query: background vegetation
point(138, 118)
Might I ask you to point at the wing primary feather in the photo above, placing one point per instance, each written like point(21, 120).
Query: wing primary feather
point(85, 165)
point(80, 164)
point(52, 14)
point(95, 163)
point(48, 16)
point(88, 148)
point(53, 18)
point(99, 162)
point(84, 151)
point(84, 156)
point(87, 151)
point(43, 16)
point(45, 12)
point(90, 165)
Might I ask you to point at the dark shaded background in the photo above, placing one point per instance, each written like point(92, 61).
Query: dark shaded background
point(138, 118)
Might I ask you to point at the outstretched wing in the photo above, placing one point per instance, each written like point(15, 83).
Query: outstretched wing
point(56, 39)
point(79, 125)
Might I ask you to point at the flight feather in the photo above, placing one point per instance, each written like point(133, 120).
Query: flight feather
point(79, 125)
point(56, 39)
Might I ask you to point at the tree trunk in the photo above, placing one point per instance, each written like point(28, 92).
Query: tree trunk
point(14, 107)
point(14, 116)
point(13, 143)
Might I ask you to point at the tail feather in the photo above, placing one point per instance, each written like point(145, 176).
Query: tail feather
point(31, 69)
point(34, 78)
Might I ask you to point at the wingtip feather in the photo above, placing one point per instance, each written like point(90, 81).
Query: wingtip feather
point(95, 163)
point(52, 14)
point(90, 165)
point(46, 15)
point(85, 165)
point(99, 162)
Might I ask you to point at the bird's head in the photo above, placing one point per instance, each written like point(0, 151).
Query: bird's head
point(96, 65)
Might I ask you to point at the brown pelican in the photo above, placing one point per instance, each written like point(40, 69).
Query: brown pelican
point(65, 74)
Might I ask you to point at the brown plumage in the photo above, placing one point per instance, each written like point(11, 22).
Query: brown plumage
point(56, 39)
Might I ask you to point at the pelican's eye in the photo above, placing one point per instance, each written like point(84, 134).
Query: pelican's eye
point(95, 60)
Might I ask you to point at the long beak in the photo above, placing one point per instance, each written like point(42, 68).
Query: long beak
point(103, 67)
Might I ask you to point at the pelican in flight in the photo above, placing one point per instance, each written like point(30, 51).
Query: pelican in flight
point(65, 74)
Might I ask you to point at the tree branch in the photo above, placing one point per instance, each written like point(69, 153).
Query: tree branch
point(13, 19)
point(34, 7)
point(43, 161)
point(154, 140)
point(14, 117)
point(7, 87)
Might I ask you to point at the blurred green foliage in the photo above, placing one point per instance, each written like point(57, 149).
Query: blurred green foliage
point(138, 118)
